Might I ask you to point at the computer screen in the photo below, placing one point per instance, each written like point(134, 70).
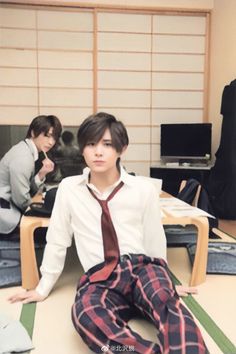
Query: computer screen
point(186, 141)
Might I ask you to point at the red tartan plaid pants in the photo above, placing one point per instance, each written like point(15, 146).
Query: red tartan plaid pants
point(139, 285)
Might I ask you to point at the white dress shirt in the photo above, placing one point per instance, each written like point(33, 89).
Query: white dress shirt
point(135, 213)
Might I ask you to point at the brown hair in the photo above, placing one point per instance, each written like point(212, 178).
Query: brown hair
point(42, 124)
point(93, 128)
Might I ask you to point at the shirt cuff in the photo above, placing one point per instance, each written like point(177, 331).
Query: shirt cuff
point(38, 181)
point(46, 284)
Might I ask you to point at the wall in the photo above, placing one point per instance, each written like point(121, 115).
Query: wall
point(223, 59)
point(55, 74)
point(223, 43)
point(178, 4)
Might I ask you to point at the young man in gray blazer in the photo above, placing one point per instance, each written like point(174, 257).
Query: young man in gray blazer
point(18, 182)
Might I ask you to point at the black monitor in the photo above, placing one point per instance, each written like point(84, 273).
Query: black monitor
point(190, 141)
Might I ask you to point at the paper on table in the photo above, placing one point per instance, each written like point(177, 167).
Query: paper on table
point(185, 210)
point(168, 202)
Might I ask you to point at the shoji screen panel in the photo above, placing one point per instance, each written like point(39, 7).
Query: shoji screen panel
point(179, 45)
point(18, 66)
point(124, 79)
point(146, 68)
point(65, 62)
point(46, 64)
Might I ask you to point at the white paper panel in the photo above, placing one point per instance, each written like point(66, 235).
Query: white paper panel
point(66, 78)
point(124, 42)
point(179, 24)
point(17, 115)
point(155, 152)
point(161, 116)
point(66, 97)
point(139, 135)
point(18, 77)
point(125, 80)
point(14, 57)
point(178, 62)
point(121, 98)
point(178, 44)
point(73, 116)
point(64, 60)
point(124, 61)
point(18, 96)
point(137, 152)
point(155, 133)
point(178, 81)
point(65, 40)
point(65, 20)
point(17, 38)
point(177, 99)
point(121, 22)
point(17, 18)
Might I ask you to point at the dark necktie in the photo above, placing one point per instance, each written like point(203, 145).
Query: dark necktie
point(38, 164)
point(110, 242)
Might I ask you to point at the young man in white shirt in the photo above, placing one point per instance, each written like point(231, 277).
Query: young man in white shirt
point(139, 281)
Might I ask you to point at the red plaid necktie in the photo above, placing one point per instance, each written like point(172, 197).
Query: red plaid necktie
point(110, 242)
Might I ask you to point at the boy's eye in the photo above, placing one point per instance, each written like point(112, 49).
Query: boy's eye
point(48, 135)
point(108, 144)
point(90, 144)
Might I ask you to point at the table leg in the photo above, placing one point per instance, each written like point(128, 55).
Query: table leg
point(29, 269)
point(200, 260)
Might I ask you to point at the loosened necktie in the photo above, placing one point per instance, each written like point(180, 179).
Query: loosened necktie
point(110, 242)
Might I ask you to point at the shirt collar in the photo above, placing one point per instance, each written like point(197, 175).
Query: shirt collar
point(33, 148)
point(124, 177)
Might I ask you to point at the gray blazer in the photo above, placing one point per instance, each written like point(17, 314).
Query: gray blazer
point(17, 184)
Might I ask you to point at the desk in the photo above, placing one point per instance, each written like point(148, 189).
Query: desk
point(29, 270)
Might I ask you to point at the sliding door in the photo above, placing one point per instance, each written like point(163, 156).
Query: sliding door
point(146, 68)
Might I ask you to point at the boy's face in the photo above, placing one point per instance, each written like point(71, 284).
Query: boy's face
point(44, 142)
point(101, 156)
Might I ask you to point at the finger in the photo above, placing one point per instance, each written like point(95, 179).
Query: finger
point(185, 291)
point(190, 290)
point(20, 292)
point(183, 294)
point(15, 299)
point(19, 297)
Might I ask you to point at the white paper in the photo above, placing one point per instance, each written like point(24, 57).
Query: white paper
point(185, 210)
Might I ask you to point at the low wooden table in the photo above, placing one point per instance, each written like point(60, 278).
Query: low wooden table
point(29, 269)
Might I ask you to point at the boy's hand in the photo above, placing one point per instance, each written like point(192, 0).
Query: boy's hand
point(48, 166)
point(185, 290)
point(26, 296)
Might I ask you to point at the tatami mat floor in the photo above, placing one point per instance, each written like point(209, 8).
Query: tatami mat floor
point(54, 332)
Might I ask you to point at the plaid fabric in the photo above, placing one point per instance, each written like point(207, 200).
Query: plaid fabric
point(138, 285)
